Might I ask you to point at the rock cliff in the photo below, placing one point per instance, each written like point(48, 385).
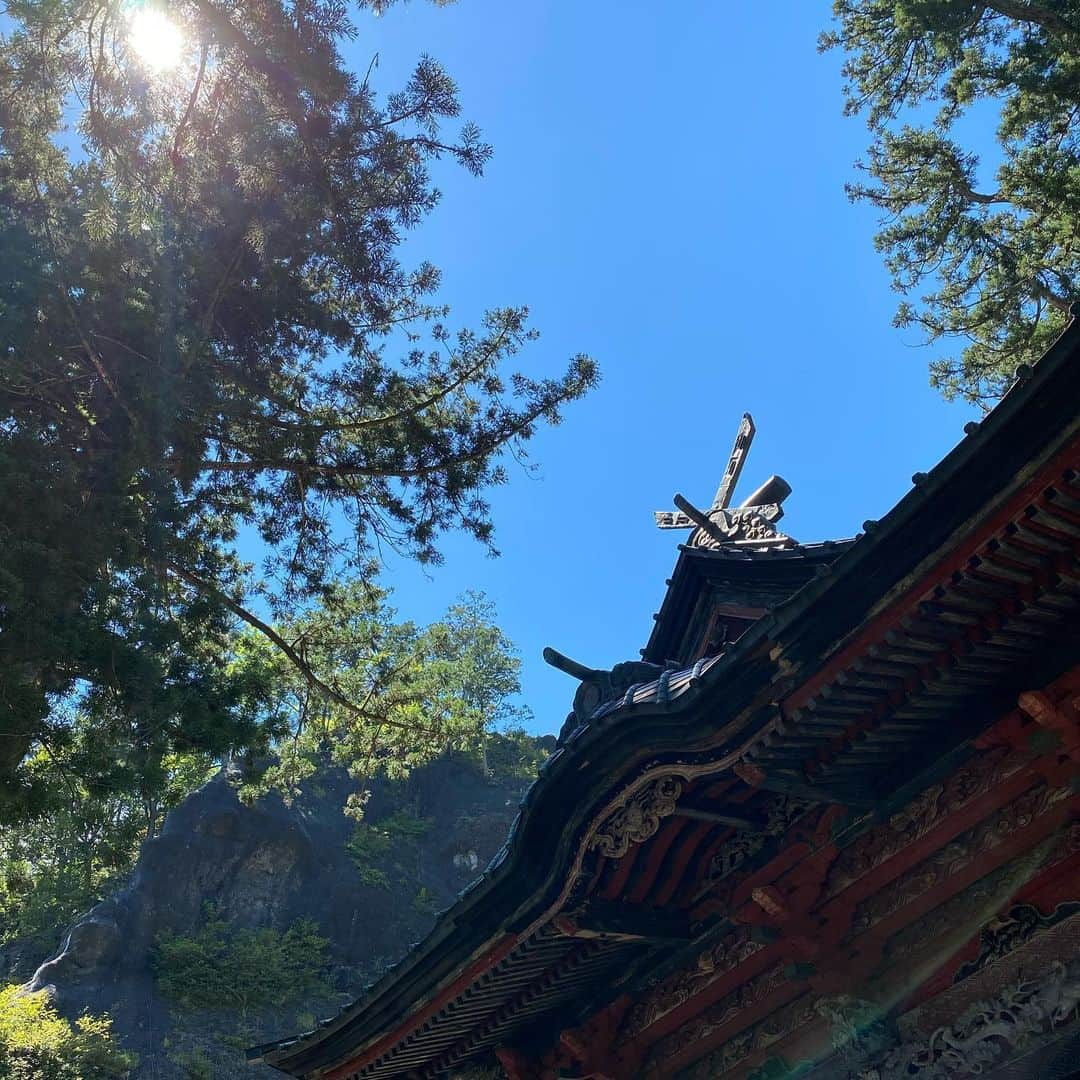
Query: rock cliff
point(266, 866)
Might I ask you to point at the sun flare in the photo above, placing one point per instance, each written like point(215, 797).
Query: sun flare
point(156, 40)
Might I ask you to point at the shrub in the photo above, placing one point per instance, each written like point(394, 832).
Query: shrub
point(370, 841)
point(215, 968)
point(37, 1043)
point(374, 878)
point(36, 901)
point(512, 754)
point(381, 846)
point(368, 844)
point(195, 1063)
point(425, 902)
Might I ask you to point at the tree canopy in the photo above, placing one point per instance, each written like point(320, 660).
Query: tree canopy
point(208, 331)
point(377, 695)
point(987, 248)
point(37, 1043)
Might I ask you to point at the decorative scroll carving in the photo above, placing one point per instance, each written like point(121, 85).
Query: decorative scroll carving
point(986, 1034)
point(857, 1030)
point(918, 818)
point(961, 911)
point(957, 854)
point(783, 1022)
point(746, 524)
point(779, 1025)
point(683, 985)
point(736, 1050)
point(721, 1013)
point(990, 1031)
point(849, 1017)
point(783, 811)
point(986, 894)
point(1068, 843)
point(1003, 933)
point(638, 818)
point(718, 528)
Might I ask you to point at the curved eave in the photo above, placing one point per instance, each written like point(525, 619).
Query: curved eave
point(1032, 425)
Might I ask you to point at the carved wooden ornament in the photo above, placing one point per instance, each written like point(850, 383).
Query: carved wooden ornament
point(638, 818)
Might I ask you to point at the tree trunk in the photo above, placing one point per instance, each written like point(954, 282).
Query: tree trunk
point(14, 746)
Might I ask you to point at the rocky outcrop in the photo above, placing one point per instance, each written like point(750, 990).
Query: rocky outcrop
point(267, 865)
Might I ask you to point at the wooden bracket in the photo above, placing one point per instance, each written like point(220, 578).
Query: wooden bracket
point(1054, 719)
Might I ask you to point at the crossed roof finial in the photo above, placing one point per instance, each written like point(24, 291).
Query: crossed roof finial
point(752, 523)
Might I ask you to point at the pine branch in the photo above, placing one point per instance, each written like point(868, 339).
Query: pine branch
point(191, 102)
point(305, 670)
point(1033, 13)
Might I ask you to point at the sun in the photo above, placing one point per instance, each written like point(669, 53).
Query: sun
point(155, 39)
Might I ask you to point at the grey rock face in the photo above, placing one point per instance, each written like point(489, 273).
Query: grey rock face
point(268, 865)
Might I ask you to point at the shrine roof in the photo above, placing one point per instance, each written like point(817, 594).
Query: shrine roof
point(775, 573)
point(491, 927)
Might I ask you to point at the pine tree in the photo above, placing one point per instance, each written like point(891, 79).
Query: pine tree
point(989, 251)
point(207, 330)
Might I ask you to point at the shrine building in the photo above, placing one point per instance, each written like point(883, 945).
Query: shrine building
point(826, 827)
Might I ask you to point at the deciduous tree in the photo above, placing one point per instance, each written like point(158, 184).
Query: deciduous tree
point(378, 695)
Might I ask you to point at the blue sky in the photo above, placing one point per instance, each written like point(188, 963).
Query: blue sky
point(667, 195)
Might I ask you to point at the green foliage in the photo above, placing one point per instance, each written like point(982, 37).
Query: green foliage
point(195, 1063)
point(373, 840)
point(443, 684)
point(989, 252)
point(216, 968)
point(213, 1043)
point(368, 843)
point(425, 690)
point(425, 902)
point(56, 866)
point(374, 878)
point(404, 828)
point(384, 852)
point(207, 328)
point(37, 899)
point(512, 754)
point(36, 1043)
